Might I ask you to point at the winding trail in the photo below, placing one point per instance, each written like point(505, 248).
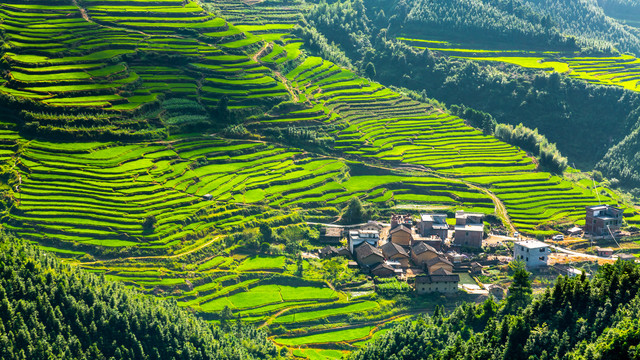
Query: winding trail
point(285, 82)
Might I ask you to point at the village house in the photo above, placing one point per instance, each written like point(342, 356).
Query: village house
point(421, 253)
point(534, 253)
point(368, 256)
point(383, 270)
point(401, 235)
point(469, 229)
point(331, 235)
point(604, 252)
point(433, 224)
point(327, 252)
point(401, 219)
point(431, 240)
point(574, 231)
point(357, 237)
point(343, 251)
point(456, 258)
point(393, 251)
point(372, 225)
point(438, 262)
point(441, 281)
point(476, 268)
point(602, 219)
point(627, 257)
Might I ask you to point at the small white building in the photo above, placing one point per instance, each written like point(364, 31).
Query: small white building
point(533, 253)
point(357, 237)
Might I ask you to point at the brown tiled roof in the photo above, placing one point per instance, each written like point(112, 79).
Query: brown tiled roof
point(328, 250)
point(365, 250)
point(438, 276)
point(400, 228)
point(382, 266)
point(436, 260)
point(390, 249)
point(421, 247)
point(333, 232)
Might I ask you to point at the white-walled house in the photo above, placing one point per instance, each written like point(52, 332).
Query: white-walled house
point(533, 253)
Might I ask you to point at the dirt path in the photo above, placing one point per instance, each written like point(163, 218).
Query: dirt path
point(501, 210)
point(256, 57)
point(286, 85)
point(83, 11)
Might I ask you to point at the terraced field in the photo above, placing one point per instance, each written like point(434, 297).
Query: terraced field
point(173, 215)
point(622, 70)
point(93, 59)
point(382, 125)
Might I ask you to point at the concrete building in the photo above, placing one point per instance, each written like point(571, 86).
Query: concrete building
point(431, 240)
point(469, 229)
point(433, 224)
point(533, 253)
point(627, 257)
point(357, 237)
point(441, 280)
point(602, 218)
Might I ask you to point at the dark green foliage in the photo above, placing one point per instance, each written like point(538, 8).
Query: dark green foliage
point(370, 70)
point(149, 223)
point(222, 110)
point(267, 233)
point(530, 140)
point(475, 118)
point(622, 161)
point(520, 290)
point(576, 319)
point(49, 310)
point(355, 212)
point(584, 120)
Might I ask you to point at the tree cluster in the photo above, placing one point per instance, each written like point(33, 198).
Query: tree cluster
point(49, 310)
point(577, 319)
point(585, 121)
point(532, 141)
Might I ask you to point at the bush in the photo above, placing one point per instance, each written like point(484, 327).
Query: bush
point(149, 223)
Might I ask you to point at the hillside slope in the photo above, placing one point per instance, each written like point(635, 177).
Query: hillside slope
point(577, 319)
point(51, 310)
point(195, 180)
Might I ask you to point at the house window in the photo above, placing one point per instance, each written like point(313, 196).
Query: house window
point(542, 249)
point(467, 234)
point(541, 258)
point(527, 259)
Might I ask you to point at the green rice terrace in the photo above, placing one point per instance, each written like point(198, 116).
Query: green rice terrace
point(622, 70)
point(104, 164)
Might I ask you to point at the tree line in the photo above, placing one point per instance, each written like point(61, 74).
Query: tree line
point(578, 318)
point(585, 121)
point(49, 310)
